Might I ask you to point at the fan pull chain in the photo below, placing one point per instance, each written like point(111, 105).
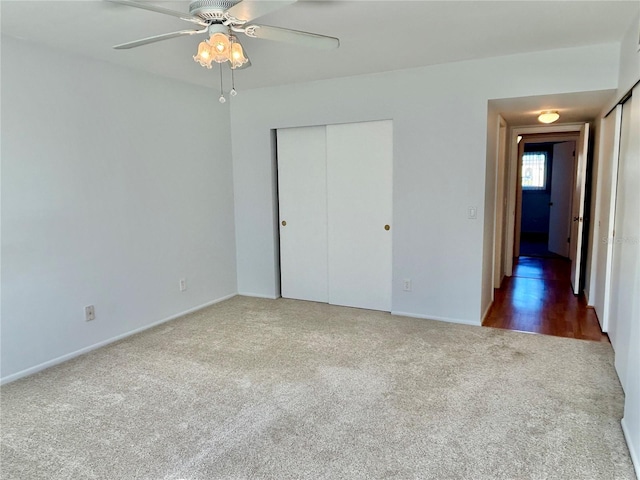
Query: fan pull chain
point(221, 99)
point(233, 92)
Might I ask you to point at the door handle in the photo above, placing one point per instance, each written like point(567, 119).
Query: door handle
point(284, 223)
point(551, 205)
point(575, 219)
point(387, 227)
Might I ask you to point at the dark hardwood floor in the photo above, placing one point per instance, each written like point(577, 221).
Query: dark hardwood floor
point(538, 298)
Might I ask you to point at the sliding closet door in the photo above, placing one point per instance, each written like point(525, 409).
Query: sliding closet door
point(302, 188)
point(359, 186)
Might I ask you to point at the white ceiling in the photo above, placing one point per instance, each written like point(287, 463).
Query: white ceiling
point(572, 107)
point(375, 35)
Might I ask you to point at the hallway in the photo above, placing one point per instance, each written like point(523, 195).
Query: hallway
point(538, 299)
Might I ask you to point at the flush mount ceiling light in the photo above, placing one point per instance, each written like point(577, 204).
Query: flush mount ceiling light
point(548, 116)
point(222, 19)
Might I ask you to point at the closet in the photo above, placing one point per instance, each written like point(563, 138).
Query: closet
point(335, 204)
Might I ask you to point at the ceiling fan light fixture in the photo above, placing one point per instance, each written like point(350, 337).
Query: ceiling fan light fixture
point(221, 19)
point(204, 57)
point(548, 116)
point(220, 47)
point(237, 55)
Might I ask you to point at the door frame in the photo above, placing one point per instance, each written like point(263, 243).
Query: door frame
point(513, 213)
point(500, 204)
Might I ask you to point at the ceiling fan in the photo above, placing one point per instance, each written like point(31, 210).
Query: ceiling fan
point(222, 19)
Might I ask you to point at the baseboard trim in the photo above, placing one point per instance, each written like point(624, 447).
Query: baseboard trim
point(433, 317)
point(56, 361)
point(258, 295)
point(632, 451)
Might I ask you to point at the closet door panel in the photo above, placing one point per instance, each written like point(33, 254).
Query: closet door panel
point(302, 188)
point(359, 194)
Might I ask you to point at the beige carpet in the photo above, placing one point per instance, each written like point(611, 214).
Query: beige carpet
point(253, 388)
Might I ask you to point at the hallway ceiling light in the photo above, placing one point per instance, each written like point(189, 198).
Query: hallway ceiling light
point(548, 116)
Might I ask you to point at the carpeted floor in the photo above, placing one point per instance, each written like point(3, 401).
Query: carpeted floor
point(254, 388)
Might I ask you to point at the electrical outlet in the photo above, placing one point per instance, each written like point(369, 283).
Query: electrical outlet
point(89, 313)
point(472, 212)
point(406, 285)
point(183, 284)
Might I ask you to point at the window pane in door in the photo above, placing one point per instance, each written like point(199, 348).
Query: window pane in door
point(534, 171)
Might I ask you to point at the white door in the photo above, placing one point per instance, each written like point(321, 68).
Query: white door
point(359, 182)
point(625, 303)
point(575, 245)
point(562, 173)
point(610, 224)
point(302, 190)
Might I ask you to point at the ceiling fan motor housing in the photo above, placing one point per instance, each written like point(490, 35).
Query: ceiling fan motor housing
point(211, 9)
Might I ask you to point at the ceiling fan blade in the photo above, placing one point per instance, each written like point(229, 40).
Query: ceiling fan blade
point(247, 10)
point(165, 11)
point(291, 36)
point(157, 38)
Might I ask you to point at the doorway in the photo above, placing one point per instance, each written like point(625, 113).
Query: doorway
point(547, 190)
point(547, 180)
point(561, 133)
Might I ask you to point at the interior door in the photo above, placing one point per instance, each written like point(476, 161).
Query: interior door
point(359, 183)
point(562, 173)
point(605, 314)
point(577, 220)
point(302, 191)
point(625, 305)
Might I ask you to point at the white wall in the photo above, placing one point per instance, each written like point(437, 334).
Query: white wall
point(488, 262)
point(440, 165)
point(629, 72)
point(115, 184)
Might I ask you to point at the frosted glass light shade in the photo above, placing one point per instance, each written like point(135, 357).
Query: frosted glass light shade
point(237, 55)
point(204, 57)
point(548, 116)
point(220, 47)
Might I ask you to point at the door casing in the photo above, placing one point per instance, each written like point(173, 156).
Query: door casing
point(534, 134)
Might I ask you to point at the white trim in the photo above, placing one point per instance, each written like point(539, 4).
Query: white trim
point(486, 312)
point(632, 451)
point(82, 351)
point(499, 204)
point(514, 154)
point(433, 317)
point(258, 295)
